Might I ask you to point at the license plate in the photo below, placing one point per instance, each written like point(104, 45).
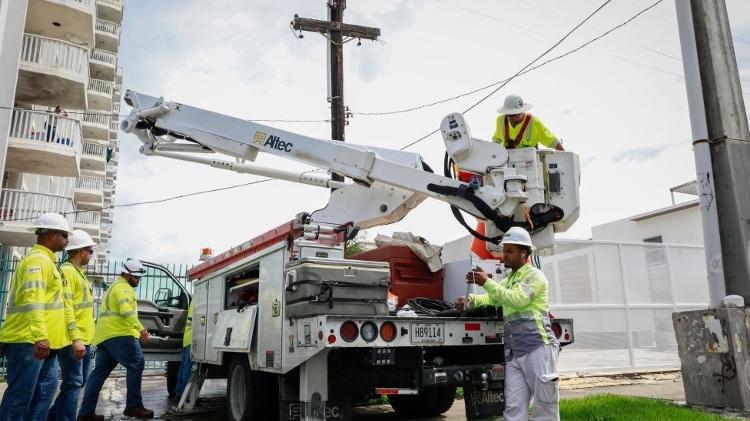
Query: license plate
point(427, 333)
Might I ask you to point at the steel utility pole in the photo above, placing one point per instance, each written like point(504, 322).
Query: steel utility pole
point(337, 33)
point(712, 343)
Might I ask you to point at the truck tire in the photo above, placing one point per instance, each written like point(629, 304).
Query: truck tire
point(173, 369)
point(239, 390)
point(429, 403)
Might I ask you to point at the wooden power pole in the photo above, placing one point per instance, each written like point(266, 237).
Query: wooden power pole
point(337, 33)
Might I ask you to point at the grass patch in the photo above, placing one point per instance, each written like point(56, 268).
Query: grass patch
point(625, 408)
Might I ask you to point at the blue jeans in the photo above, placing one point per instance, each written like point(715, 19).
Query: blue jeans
point(86, 364)
point(22, 373)
point(184, 374)
point(71, 373)
point(126, 351)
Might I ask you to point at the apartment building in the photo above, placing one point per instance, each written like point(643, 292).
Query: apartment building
point(60, 91)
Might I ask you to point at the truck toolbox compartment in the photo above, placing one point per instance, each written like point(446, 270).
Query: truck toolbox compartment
point(410, 276)
point(315, 286)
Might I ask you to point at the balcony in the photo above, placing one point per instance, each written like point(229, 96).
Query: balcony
point(110, 10)
point(89, 189)
point(94, 156)
point(19, 208)
point(100, 94)
point(118, 75)
point(102, 64)
point(107, 35)
point(71, 20)
point(95, 125)
point(52, 72)
point(44, 143)
point(87, 220)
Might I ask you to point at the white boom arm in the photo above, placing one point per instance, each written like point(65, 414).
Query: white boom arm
point(387, 183)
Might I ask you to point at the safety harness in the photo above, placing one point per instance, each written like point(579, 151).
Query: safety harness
point(513, 143)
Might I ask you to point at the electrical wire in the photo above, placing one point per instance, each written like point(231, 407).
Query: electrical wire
point(528, 67)
point(257, 120)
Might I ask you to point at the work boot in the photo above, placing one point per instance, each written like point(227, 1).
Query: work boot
point(90, 418)
point(138, 412)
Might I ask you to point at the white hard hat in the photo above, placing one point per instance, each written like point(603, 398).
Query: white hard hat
point(50, 221)
point(514, 104)
point(79, 239)
point(133, 267)
point(517, 235)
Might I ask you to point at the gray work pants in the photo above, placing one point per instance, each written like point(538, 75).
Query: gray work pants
point(533, 375)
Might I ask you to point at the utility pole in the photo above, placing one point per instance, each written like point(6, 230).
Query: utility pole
point(712, 343)
point(337, 33)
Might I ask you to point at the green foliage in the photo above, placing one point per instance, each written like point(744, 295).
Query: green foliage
point(356, 245)
point(625, 408)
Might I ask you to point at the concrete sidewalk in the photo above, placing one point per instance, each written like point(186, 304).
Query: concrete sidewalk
point(666, 385)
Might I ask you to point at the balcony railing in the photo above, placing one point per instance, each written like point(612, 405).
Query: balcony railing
point(101, 86)
point(88, 182)
point(54, 53)
point(46, 127)
point(85, 217)
point(108, 27)
point(23, 206)
point(94, 150)
point(115, 108)
point(96, 118)
point(104, 56)
point(113, 3)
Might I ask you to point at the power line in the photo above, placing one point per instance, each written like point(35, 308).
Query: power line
point(41, 112)
point(529, 67)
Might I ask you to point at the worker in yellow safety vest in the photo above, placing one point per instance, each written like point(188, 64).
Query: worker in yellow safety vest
point(531, 348)
point(185, 366)
point(516, 128)
point(116, 338)
point(39, 322)
point(73, 372)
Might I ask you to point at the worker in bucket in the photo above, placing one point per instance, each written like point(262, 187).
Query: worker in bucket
point(531, 349)
point(73, 371)
point(516, 128)
point(116, 337)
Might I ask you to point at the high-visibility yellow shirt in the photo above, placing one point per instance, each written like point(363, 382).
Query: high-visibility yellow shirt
point(118, 313)
point(187, 337)
point(535, 133)
point(523, 294)
point(36, 306)
point(83, 301)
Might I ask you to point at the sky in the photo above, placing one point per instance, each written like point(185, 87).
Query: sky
point(619, 103)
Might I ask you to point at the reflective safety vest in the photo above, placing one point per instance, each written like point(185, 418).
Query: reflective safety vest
point(118, 313)
point(36, 306)
point(528, 134)
point(83, 302)
point(523, 296)
point(187, 337)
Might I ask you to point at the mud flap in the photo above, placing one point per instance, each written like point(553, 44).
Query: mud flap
point(483, 403)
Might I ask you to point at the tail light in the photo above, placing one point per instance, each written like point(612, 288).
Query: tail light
point(369, 331)
point(349, 331)
point(388, 331)
point(556, 329)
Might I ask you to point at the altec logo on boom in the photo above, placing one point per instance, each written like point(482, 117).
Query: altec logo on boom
point(271, 141)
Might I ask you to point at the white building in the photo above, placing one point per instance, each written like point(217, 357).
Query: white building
point(679, 223)
point(58, 53)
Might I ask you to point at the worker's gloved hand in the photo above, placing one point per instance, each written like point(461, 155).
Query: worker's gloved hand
point(144, 335)
point(460, 302)
point(41, 349)
point(79, 349)
point(477, 276)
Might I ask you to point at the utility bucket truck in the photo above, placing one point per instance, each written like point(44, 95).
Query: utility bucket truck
point(299, 331)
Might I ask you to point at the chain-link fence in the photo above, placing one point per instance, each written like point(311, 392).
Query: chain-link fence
point(621, 297)
point(162, 284)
